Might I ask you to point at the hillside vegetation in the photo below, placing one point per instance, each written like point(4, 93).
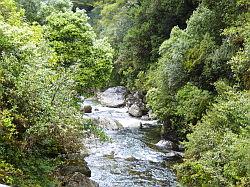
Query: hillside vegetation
point(43, 68)
point(189, 57)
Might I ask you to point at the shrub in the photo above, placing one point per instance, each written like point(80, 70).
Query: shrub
point(216, 151)
point(39, 119)
point(192, 102)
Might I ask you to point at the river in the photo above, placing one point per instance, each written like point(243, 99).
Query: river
point(130, 158)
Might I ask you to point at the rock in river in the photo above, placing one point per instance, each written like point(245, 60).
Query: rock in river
point(3, 185)
point(75, 172)
point(136, 105)
point(108, 123)
point(113, 97)
point(165, 144)
point(80, 180)
point(135, 110)
point(86, 109)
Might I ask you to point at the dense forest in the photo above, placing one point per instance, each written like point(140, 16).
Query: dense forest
point(190, 58)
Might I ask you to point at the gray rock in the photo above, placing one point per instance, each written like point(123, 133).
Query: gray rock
point(135, 104)
point(3, 185)
point(79, 180)
point(135, 110)
point(145, 118)
point(130, 100)
point(74, 164)
point(87, 109)
point(108, 123)
point(165, 144)
point(75, 172)
point(174, 155)
point(113, 97)
point(134, 98)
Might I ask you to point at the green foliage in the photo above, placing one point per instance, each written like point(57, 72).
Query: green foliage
point(8, 129)
point(178, 60)
point(98, 71)
point(192, 102)
point(114, 20)
point(198, 55)
point(238, 35)
point(70, 36)
point(170, 75)
point(217, 151)
point(179, 110)
point(31, 7)
point(202, 22)
point(136, 29)
point(39, 119)
point(216, 65)
point(38, 10)
point(225, 10)
point(195, 56)
point(7, 171)
point(182, 85)
point(41, 68)
point(90, 126)
point(75, 44)
point(161, 104)
point(171, 65)
point(10, 13)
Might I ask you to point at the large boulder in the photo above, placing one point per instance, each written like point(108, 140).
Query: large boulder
point(113, 97)
point(75, 172)
point(108, 123)
point(135, 110)
point(136, 105)
point(134, 98)
point(75, 165)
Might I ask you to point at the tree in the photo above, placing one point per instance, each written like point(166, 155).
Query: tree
point(136, 29)
point(39, 120)
point(199, 55)
point(10, 13)
point(213, 47)
point(217, 150)
point(75, 44)
point(38, 10)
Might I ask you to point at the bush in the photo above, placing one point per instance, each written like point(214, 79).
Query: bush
point(192, 103)
point(75, 44)
point(39, 119)
point(216, 151)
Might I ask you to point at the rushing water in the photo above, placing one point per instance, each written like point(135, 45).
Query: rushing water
point(130, 158)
